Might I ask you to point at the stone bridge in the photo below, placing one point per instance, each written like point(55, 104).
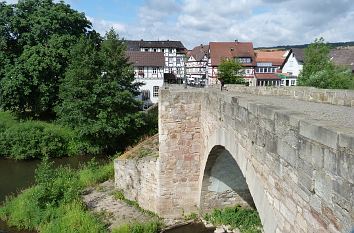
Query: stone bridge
point(288, 152)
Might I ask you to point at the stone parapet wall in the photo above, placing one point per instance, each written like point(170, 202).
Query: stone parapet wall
point(138, 180)
point(330, 96)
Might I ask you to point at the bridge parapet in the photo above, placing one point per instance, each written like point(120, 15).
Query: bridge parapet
point(328, 96)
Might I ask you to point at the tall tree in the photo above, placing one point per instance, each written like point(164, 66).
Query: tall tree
point(38, 37)
point(98, 95)
point(231, 72)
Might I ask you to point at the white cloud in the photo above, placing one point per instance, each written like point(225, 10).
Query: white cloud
point(102, 26)
point(264, 22)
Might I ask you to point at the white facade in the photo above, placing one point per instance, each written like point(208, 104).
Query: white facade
point(292, 66)
point(196, 70)
point(152, 79)
point(174, 61)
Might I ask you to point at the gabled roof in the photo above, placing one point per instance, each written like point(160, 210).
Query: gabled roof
point(230, 50)
point(299, 54)
point(135, 45)
point(199, 52)
point(343, 57)
point(138, 58)
point(275, 57)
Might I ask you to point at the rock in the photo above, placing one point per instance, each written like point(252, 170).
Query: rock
point(219, 230)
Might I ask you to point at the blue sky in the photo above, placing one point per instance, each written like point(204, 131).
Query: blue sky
point(264, 22)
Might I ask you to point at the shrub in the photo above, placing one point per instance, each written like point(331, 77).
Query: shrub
point(247, 220)
point(149, 227)
point(35, 139)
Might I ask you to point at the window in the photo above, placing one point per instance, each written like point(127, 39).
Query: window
point(155, 90)
point(154, 70)
point(170, 50)
point(163, 50)
point(155, 50)
point(141, 71)
point(178, 70)
point(178, 61)
point(146, 50)
point(170, 70)
point(244, 60)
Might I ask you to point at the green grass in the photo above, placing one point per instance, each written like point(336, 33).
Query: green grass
point(247, 220)
point(54, 204)
point(149, 227)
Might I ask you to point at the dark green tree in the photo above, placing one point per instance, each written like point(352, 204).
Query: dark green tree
point(37, 36)
point(319, 71)
point(98, 95)
point(231, 72)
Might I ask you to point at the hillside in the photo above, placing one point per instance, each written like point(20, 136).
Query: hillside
point(333, 45)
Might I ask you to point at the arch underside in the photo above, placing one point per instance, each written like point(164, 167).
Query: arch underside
point(223, 183)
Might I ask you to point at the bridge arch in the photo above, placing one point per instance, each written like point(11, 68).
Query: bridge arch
point(243, 186)
point(223, 183)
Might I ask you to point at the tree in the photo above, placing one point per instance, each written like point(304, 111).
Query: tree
point(98, 95)
point(319, 71)
point(36, 40)
point(231, 72)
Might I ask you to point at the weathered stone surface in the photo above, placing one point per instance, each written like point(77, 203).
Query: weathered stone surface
point(295, 157)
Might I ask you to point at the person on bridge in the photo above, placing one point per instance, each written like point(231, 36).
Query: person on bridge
point(222, 83)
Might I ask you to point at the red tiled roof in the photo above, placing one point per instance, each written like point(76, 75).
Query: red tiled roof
point(137, 58)
point(224, 50)
point(199, 52)
point(275, 57)
point(267, 76)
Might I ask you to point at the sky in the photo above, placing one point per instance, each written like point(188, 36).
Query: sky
point(263, 22)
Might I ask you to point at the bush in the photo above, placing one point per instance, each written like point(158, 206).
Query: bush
point(149, 227)
point(247, 220)
point(35, 139)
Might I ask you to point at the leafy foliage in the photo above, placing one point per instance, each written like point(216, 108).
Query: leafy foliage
point(247, 220)
point(53, 204)
point(35, 139)
point(35, 43)
point(97, 95)
point(231, 72)
point(319, 71)
point(149, 227)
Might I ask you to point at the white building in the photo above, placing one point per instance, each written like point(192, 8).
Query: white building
point(196, 65)
point(148, 70)
point(292, 66)
point(174, 54)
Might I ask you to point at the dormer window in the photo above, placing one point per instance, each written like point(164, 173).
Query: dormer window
point(244, 60)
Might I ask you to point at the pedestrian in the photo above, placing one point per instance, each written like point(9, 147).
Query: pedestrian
point(222, 83)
